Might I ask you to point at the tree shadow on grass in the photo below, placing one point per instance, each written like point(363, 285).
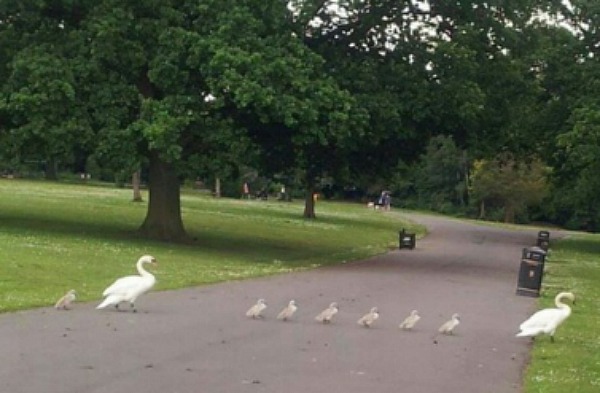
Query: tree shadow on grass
point(45, 225)
point(246, 246)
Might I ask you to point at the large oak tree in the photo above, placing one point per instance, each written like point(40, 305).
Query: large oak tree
point(182, 86)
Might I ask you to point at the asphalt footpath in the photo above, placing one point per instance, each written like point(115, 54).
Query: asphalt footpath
point(199, 339)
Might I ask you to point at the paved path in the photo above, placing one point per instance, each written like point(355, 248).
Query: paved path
point(198, 340)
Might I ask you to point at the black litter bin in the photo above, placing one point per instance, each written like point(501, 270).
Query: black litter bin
point(543, 240)
point(406, 240)
point(531, 272)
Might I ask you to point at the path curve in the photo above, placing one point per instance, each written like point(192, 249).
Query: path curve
point(198, 339)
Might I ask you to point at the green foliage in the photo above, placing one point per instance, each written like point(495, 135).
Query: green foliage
point(402, 184)
point(97, 171)
point(580, 149)
point(507, 183)
point(572, 362)
point(440, 180)
point(54, 237)
point(568, 71)
point(46, 116)
point(280, 93)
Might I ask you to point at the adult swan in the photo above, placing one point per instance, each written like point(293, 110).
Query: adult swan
point(127, 289)
point(546, 321)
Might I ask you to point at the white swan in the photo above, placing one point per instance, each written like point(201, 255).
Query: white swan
point(546, 321)
point(448, 326)
point(326, 315)
point(128, 289)
point(256, 310)
point(64, 303)
point(288, 311)
point(370, 317)
point(410, 321)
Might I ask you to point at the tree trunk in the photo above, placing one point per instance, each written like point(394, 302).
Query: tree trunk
point(217, 187)
point(163, 218)
point(309, 203)
point(482, 209)
point(135, 183)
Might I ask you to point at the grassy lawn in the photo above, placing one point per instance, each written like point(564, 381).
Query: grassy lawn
point(572, 363)
point(54, 237)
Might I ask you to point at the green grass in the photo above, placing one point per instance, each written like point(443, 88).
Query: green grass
point(572, 363)
point(54, 237)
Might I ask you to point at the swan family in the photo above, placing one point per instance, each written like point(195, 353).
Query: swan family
point(128, 289)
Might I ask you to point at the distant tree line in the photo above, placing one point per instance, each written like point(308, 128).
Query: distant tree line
point(480, 108)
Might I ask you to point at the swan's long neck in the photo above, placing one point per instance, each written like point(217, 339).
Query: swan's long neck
point(143, 272)
point(561, 305)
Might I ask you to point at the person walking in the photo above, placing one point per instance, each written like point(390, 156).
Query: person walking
point(246, 191)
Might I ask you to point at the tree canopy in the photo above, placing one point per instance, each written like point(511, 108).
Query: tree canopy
point(311, 89)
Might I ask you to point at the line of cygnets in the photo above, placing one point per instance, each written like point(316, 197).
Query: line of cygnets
point(366, 320)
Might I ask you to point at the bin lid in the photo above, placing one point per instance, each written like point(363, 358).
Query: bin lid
point(538, 250)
